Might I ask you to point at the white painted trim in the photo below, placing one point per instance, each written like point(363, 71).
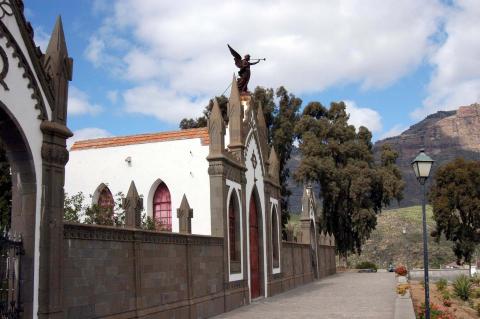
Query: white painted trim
point(274, 208)
point(238, 188)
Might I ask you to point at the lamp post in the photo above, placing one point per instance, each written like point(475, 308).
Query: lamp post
point(421, 166)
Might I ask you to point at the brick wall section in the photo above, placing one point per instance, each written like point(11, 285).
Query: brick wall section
point(125, 273)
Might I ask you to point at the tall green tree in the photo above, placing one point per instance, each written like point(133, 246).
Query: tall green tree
point(455, 197)
point(353, 188)
point(5, 190)
point(280, 120)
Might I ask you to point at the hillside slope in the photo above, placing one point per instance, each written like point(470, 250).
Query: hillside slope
point(388, 243)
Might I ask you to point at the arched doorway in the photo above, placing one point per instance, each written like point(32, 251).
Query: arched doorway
point(24, 198)
point(255, 247)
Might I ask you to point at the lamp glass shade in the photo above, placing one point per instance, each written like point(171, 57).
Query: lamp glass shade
point(421, 165)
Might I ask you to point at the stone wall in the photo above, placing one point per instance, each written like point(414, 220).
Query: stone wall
point(125, 273)
point(297, 268)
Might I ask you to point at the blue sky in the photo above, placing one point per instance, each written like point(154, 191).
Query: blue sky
point(141, 66)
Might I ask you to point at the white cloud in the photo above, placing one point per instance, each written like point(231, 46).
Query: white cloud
point(456, 79)
point(112, 96)
point(79, 104)
point(164, 104)
point(86, 134)
point(309, 45)
point(397, 129)
point(363, 116)
point(95, 51)
point(41, 38)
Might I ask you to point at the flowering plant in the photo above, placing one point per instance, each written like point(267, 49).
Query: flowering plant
point(401, 271)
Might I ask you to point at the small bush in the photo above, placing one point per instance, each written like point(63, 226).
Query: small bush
point(422, 283)
point(476, 293)
point(477, 307)
point(441, 284)
point(475, 279)
point(366, 265)
point(436, 312)
point(462, 287)
point(447, 302)
point(446, 294)
point(402, 289)
point(401, 271)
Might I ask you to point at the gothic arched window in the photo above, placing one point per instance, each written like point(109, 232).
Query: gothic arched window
point(162, 208)
point(275, 244)
point(105, 199)
point(234, 233)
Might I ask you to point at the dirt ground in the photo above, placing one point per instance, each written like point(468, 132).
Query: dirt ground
point(459, 308)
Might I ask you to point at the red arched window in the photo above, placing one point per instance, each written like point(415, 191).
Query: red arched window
point(162, 208)
point(234, 233)
point(105, 200)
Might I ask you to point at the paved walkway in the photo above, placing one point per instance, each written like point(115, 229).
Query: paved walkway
point(344, 295)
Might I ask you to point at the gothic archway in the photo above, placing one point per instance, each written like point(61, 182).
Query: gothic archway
point(256, 247)
point(24, 198)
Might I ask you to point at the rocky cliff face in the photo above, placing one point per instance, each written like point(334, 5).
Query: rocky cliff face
point(445, 136)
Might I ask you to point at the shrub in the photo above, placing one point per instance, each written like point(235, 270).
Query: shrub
point(401, 271)
point(436, 312)
point(446, 294)
point(475, 279)
point(447, 302)
point(462, 287)
point(477, 307)
point(422, 283)
point(441, 284)
point(476, 293)
point(402, 289)
point(366, 265)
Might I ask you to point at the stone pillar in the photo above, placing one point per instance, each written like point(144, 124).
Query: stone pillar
point(58, 66)
point(185, 215)
point(54, 156)
point(133, 205)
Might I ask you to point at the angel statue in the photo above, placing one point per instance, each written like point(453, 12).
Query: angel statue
point(244, 66)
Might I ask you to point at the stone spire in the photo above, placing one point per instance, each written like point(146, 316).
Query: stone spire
point(185, 215)
point(274, 166)
point(216, 130)
point(133, 205)
point(235, 117)
point(58, 66)
point(262, 130)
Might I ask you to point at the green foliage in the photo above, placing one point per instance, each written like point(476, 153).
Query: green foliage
point(148, 222)
point(436, 312)
point(75, 210)
point(476, 293)
point(441, 284)
point(445, 294)
point(353, 188)
point(5, 190)
point(477, 308)
point(455, 197)
point(366, 265)
point(462, 287)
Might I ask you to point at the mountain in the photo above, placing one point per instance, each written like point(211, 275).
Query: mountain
point(445, 135)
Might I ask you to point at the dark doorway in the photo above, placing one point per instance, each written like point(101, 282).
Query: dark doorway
point(24, 198)
point(254, 249)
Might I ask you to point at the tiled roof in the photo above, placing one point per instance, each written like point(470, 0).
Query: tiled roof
point(201, 133)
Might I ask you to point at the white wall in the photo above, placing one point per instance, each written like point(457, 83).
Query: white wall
point(180, 164)
point(20, 103)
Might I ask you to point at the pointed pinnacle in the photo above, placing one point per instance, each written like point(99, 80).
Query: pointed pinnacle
point(184, 205)
point(57, 39)
point(234, 93)
point(132, 191)
point(216, 113)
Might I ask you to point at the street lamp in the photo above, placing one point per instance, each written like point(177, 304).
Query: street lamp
point(421, 166)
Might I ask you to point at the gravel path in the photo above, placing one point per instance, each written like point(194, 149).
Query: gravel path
point(344, 295)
